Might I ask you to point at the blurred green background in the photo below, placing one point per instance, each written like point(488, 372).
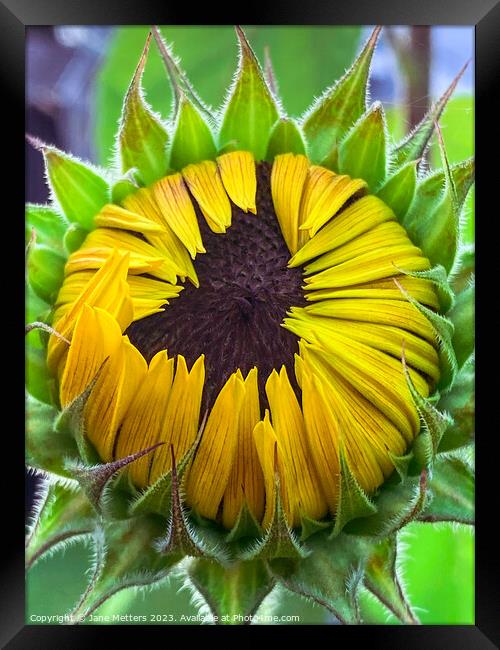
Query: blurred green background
point(437, 564)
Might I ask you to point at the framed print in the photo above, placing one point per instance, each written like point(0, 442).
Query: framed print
point(250, 324)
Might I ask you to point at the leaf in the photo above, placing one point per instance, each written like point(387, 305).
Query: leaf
point(77, 187)
point(49, 226)
point(415, 144)
point(463, 316)
point(285, 138)
point(250, 109)
point(45, 271)
point(192, 140)
point(233, 593)
point(381, 578)
point(327, 121)
point(362, 153)
point(398, 190)
point(452, 488)
point(62, 512)
point(142, 138)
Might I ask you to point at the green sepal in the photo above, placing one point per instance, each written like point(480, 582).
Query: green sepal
point(123, 556)
point(433, 421)
point(452, 488)
point(61, 513)
point(74, 238)
point(285, 138)
point(192, 140)
point(96, 480)
point(71, 421)
point(309, 527)
point(251, 110)
point(362, 152)
point(465, 268)
point(438, 276)
point(433, 220)
point(462, 316)
point(401, 463)
point(415, 144)
point(381, 578)
point(142, 139)
point(46, 446)
point(352, 501)
point(329, 119)
point(459, 401)
point(36, 311)
point(246, 526)
point(78, 188)
point(231, 593)
point(279, 540)
point(45, 271)
point(398, 190)
point(124, 186)
point(39, 381)
point(48, 224)
point(397, 505)
point(330, 575)
point(179, 81)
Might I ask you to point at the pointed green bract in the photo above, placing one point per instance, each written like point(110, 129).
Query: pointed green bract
point(124, 186)
point(353, 502)
point(438, 276)
point(401, 463)
point(340, 107)
point(246, 526)
point(49, 226)
point(192, 140)
point(362, 153)
point(38, 379)
point(462, 316)
point(45, 271)
point(250, 110)
point(142, 138)
point(452, 488)
point(381, 579)
point(232, 594)
point(285, 138)
point(415, 144)
point(78, 189)
point(398, 191)
point(74, 238)
point(459, 401)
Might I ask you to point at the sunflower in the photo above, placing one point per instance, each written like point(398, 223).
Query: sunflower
point(263, 315)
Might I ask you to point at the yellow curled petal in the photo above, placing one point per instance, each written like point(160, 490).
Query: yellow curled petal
point(206, 186)
point(113, 216)
point(288, 424)
point(246, 482)
point(144, 420)
point(96, 336)
point(112, 395)
point(176, 208)
point(237, 171)
point(324, 194)
point(288, 176)
point(182, 417)
point(209, 473)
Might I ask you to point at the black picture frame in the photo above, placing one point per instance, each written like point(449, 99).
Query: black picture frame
point(15, 15)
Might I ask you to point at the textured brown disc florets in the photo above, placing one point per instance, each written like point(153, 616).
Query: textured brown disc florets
point(234, 317)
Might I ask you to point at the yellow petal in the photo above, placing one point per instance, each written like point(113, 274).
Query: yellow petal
point(206, 186)
point(182, 417)
point(209, 473)
point(176, 208)
point(288, 424)
point(358, 218)
point(96, 336)
point(113, 216)
point(266, 445)
point(144, 420)
point(246, 482)
point(106, 289)
point(324, 194)
point(112, 395)
point(287, 181)
point(237, 171)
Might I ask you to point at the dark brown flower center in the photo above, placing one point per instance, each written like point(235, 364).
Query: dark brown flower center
point(234, 317)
